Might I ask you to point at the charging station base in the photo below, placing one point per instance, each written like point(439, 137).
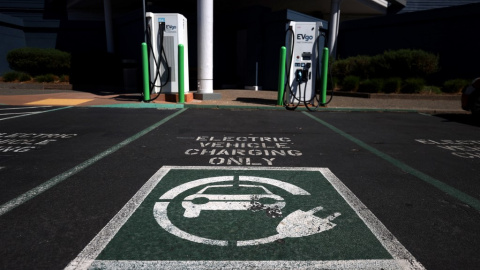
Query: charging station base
point(174, 97)
point(207, 96)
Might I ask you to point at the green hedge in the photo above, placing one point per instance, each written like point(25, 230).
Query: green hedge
point(36, 61)
point(360, 66)
point(454, 86)
point(371, 86)
point(392, 85)
point(406, 63)
point(351, 83)
point(403, 63)
point(12, 76)
point(45, 78)
point(413, 85)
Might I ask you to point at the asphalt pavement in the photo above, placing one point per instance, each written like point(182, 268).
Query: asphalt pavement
point(103, 181)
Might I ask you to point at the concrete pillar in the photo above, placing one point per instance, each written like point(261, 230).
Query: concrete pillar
point(107, 6)
point(333, 27)
point(205, 50)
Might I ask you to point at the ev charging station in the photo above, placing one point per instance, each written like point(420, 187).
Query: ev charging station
point(304, 43)
point(165, 31)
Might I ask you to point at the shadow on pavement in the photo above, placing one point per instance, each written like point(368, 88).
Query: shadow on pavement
point(131, 97)
point(262, 101)
point(466, 119)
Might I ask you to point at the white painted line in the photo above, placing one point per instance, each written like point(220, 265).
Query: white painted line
point(8, 206)
point(36, 113)
point(402, 258)
point(193, 265)
point(17, 113)
point(99, 242)
point(388, 240)
point(457, 194)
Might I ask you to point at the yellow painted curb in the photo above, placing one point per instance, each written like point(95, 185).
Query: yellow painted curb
point(54, 101)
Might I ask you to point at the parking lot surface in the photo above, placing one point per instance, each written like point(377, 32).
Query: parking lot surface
point(112, 188)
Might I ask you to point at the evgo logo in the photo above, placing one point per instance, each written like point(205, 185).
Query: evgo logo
point(304, 37)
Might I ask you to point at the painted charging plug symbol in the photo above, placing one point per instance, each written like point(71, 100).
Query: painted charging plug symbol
point(301, 223)
point(297, 224)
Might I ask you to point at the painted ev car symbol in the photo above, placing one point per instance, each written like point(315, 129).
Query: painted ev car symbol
point(296, 224)
point(202, 201)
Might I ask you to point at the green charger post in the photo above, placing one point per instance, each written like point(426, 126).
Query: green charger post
point(181, 74)
point(281, 75)
point(324, 74)
point(146, 77)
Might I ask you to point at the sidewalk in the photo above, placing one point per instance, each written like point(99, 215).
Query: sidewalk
point(36, 95)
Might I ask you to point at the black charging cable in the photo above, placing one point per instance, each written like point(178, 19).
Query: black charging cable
point(289, 94)
point(158, 62)
point(318, 94)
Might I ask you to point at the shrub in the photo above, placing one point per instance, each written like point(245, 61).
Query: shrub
point(24, 77)
point(353, 66)
point(413, 85)
point(371, 86)
point(64, 78)
point(45, 78)
point(10, 76)
point(15, 75)
point(340, 69)
point(407, 63)
point(429, 89)
point(403, 63)
point(380, 67)
point(351, 83)
point(392, 85)
point(361, 66)
point(454, 86)
point(36, 61)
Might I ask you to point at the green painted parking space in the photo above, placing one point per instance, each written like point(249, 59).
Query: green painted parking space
point(256, 217)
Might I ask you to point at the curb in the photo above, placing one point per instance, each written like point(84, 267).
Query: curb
point(398, 96)
point(141, 105)
point(60, 86)
point(169, 106)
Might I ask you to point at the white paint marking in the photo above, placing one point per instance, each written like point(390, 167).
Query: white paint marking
point(283, 185)
point(99, 242)
point(160, 214)
point(17, 113)
point(227, 202)
point(218, 202)
point(402, 258)
point(8, 206)
point(160, 210)
point(194, 265)
point(174, 192)
point(35, 113)
point(386, 238)
point(297, 224)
